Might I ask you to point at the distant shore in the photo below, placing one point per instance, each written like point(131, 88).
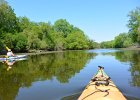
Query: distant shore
point(39, 52)
point(131, 48)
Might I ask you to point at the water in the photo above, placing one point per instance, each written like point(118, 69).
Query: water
point(57, 75)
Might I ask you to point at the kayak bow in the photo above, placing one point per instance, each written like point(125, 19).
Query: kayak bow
point(101, 87)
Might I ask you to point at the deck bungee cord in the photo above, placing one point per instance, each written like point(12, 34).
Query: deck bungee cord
point(102, 86)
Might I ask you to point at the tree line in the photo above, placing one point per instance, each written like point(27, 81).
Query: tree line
point(131, 38)
point(21, 35)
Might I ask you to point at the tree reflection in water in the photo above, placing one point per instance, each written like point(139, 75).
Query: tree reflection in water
point(62, 65)
point(132, 57)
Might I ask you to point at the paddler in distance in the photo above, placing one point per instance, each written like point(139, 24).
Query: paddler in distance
point(10, 53)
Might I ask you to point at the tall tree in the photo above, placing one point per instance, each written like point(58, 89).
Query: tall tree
point(24, 23)
point(77, 40)
point(20, 42)
point(8, 20)
point(62, 26)
point(119, 40)
point(134, 25)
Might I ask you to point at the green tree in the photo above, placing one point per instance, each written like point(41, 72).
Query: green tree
point(8, 20)
point(62, 26)
point(134, 25)
point(32, 38)
point(20, 42)
point(76, 40)
point(47, 35)
point(107, 44)
point(8, 40)
point(119, 40)
point(21, 34)
point(128, 42)
point(24, 23)
point(92, 44)
point(58, 41)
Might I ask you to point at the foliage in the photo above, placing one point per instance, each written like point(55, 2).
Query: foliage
point(8, 40)
point(92, 44)
point(76, 40)
point(107, 44)
point(121, 41)
point(63, 27)
point(124, 40)
point(8, 20)
point(24, 23)
point(20, 42)
point(21, 34)
point(134, 25)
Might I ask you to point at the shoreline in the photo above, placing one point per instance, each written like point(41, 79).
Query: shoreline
point(129, 48)
point(48, 52)
point(38, 52)
point(45, 52)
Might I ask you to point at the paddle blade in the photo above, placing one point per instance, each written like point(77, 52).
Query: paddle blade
point(7, 48)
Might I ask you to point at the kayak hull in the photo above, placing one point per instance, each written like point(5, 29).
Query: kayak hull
point(101, 92)
point(17, 57)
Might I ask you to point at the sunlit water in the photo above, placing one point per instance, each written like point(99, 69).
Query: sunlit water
point(57, 75)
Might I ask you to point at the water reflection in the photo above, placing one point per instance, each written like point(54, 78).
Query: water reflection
point(9, 63)
point(63, 66)
point(66, 73)
point(132, 58)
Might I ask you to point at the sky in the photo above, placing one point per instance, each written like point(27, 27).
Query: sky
point(101, 20)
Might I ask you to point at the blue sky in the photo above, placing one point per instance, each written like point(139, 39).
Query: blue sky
point(101, 20)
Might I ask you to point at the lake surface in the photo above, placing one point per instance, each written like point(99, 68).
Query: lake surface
point(57, 75)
